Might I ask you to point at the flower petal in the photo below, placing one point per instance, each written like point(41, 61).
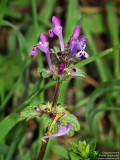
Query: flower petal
point(83, 38)
point(39, 110)
point(51, 34)
point(80, 45)
point(85, 54)
point(55, 21)
point(67, 45)
point(62, 131)
point(43, 38)
point(57, 30)
point(79, 54)
point(76, 32)
point(33, 51)
point(44, 47)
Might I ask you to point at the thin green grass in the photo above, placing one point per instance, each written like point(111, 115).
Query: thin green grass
point(3, 4)
point(114, 33)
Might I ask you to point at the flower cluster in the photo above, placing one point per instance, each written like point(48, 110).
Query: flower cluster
point(65, 57)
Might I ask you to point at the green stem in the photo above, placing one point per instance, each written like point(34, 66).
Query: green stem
point(42, 150)
point(56, 94)
point(44, 144)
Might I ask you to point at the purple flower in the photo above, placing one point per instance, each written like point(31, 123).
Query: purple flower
point(62, 131)
point(43, 45)
point(34, 51)
point(76, 43)
point(83, 38)
point(61, 68)
point(39, 110)
point(80, 45)
point(73, 70)
point(57, 30)
point(59, 54)
point(73, 38)
point(82, 53)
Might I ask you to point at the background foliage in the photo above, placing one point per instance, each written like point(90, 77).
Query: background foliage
point(95, 101)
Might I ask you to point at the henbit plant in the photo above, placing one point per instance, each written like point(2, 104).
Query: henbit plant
point(55, 116)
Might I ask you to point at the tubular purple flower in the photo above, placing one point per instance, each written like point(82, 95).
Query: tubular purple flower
point(80, 45)
point(43, 45)
point(73, 38)
point(57, 30)
point(83, 38)
point(62, 131)
point(39, 110)
point(76, 32)
point(33, 51)
point(61, 68)
point(82, 53)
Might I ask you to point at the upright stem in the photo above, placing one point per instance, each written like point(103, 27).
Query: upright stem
point(44, 144)
point(56, 94)
point(42, 150)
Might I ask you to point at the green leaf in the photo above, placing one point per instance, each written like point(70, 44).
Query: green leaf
point(73, 120)
point(45, 74)
point(57, 77)
point(92, 145)
point(94, 155)
point(74, 147)
point(20, 130)
point(60, 150)
point(81, 146)
point(29, 113)
point(78, 73)
point(104, 87)
point(3, 4)
point(74, 156)
point(114, 33)
point(3, 148)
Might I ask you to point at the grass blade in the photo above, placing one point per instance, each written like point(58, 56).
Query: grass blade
point(12, 119)
point(99, 90)
point(19, 133)
point(3, 4)
point(114, 32)
point(95, 57)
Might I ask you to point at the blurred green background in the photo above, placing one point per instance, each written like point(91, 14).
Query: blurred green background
point(95, 101)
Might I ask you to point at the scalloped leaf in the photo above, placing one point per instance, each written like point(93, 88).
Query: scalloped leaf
point(48, 121)
point(73, 120)
point(67, 74)
point(29, 113)
point(43, 72)
point(64, 121)
point(79, 73)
